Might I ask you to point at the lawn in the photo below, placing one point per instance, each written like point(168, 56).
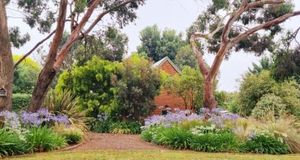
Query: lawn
point(151, 155)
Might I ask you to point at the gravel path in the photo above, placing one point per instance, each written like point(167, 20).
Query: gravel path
point(98, 141)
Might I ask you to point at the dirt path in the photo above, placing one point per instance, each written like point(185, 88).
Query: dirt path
point(98, 141)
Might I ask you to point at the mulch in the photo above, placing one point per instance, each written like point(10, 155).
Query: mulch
point(103, 141)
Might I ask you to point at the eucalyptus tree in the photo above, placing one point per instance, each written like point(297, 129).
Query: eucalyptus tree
point(233, 25)
point(51, 16)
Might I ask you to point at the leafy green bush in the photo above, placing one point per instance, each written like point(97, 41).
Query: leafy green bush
point(138, 86)
point(264, 143)
point(20, 101)
point(43, 139)
point(100, 126)
point(11, 144)
point(269, 104)
point(289, 91)
point(214, 142)
point(93, 84)
point(252, 88)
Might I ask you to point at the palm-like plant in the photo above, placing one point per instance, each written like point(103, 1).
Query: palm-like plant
point(66, 103)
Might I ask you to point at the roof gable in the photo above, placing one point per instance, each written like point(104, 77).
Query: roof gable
point(165, 60)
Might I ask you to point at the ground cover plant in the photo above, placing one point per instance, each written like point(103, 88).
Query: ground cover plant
point(221, 131)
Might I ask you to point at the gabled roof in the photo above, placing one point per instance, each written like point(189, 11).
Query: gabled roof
point(166, 59)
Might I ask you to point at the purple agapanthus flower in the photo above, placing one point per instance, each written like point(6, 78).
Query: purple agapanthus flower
point(171, 118)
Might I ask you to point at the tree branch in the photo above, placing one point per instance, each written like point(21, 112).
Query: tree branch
point(35, 47)
point(74, 35)
point(100, 16)
point(264, 25)
point(244, 7)
point(58, 32)
point(226, 44)
point(202, 65)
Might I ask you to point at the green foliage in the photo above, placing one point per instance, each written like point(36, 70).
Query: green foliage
point(43, 139)
point(188, 85)
point(157, 44)
point(185, 57)
point(252, 88)
point(269, 104)
point(289, 91)
point(231, 102)
point(138, 86)
point(64, 102)
point(287, 64)
point(284, 128)
point(20, 101)
point(221, 98)
point(259, 43)
point(25, 75)
point(109, 44)
point(93, 84)
point(214, 142)
point(80, 5)
point(255, 86)
point(11, 144)
point(116, 127)
point(173, 137)
point(264, 144)
point(264, 64)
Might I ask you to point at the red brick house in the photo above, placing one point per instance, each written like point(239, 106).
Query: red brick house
point(166, 98)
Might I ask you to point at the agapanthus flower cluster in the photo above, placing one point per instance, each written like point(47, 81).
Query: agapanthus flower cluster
point(219, 116)
point(11, 119)
point(42, 117)
point(171, 118)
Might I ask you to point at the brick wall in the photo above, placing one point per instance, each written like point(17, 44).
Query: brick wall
point(165, 97)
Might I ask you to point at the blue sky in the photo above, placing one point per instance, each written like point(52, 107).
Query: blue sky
point(175, 14)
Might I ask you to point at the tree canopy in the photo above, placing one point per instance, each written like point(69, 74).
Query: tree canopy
point(157, 44)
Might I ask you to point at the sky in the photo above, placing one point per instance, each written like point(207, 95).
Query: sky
point(173, 14)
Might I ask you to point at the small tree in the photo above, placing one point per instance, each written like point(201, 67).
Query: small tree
point(187, 86)
point(228, 25)
point(137, 88)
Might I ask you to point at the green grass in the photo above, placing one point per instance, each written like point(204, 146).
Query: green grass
point(150, 155)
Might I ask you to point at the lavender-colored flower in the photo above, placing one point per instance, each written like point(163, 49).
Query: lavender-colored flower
point(171, 118)
point(11, 119)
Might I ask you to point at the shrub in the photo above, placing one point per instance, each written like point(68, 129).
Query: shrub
point(93, 84)
point(289, 91)
point(11, 144)
point(263, 143)
point(100, 126)
point(138, 86)
point(20, 101)
point(269, 104)
point(214, 142)
point(252, 88)
point(43, 139)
